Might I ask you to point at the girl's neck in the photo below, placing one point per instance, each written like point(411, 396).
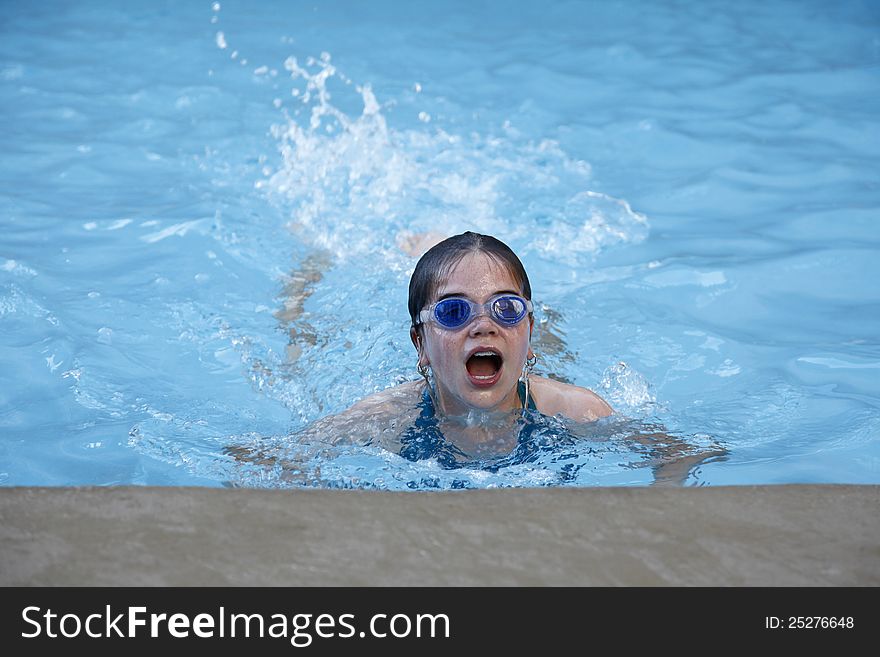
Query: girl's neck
point(455, 411)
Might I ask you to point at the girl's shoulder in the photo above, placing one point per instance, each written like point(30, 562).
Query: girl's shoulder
point(375, 419)
point(390, 400)
point(571, 401)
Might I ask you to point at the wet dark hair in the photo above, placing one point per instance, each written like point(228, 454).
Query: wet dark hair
point(439, 260)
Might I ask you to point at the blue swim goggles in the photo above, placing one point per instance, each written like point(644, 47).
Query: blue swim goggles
point(455, 312)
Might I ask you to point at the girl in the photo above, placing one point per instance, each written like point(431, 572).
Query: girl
point(472, 321)
point(471, 312)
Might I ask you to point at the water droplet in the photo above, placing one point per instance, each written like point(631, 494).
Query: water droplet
point(105, 335)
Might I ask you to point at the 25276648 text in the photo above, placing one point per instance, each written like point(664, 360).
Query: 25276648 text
point(809, 622)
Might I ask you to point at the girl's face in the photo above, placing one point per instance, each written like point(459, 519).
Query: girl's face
point(466, 381)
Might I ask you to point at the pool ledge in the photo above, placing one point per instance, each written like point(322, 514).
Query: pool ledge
point(792, 535)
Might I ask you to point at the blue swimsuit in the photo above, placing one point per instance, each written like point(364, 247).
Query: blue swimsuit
point(424, 440)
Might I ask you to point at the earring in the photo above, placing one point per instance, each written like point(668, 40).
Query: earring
point(528, 366)
point(423, 370)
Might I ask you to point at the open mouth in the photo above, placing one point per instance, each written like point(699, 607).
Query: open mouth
point(484, 367)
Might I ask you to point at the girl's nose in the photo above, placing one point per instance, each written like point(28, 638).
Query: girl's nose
point(482, 324)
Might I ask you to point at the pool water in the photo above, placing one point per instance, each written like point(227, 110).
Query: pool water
point(203, 208)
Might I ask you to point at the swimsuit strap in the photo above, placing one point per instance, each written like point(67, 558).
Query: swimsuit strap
point(521, 390)
point(428, 416)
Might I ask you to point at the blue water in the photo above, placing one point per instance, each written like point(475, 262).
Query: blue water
point(693, 187)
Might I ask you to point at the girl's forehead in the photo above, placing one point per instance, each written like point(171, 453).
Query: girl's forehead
point(477, 273)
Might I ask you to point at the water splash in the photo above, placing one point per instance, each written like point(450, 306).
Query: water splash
point(352, 184)
point(589, 221)
point(626, 389)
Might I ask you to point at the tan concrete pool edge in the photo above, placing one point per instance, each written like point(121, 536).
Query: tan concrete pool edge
point(792, 535)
